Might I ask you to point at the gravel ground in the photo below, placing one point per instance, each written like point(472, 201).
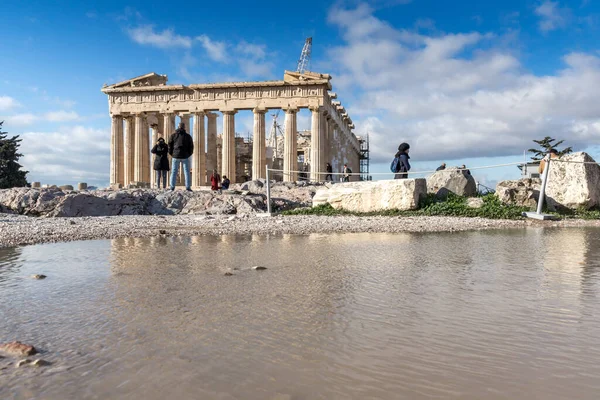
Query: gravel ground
point(16, 230)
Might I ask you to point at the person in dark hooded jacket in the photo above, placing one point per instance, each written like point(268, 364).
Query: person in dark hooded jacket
point(403, 165)
point(161, 162)
point(181, 147)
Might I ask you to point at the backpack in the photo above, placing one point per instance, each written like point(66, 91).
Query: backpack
point(348, 171)
point(395, 166)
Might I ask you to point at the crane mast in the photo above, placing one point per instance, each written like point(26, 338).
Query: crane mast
point(304, 61)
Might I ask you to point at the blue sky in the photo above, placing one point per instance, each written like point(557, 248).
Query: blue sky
point(464, 82)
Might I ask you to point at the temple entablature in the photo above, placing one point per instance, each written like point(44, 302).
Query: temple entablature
point(148, 100)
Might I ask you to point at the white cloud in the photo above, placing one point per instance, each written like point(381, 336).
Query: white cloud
point(253, 60)
point(256, 51)
point(8, 103)
point(18, 120)
point(217, 51)
point(166, 39)
point(450, 98)
point(552, 16)
point(49, 156)
point(61, 116)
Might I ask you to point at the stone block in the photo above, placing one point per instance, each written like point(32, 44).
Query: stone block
point(82, 186)
point(66, 187)
point(521, 192)
point(36, 185)
point(397, 194)
point(457, 181)
point(573, 185)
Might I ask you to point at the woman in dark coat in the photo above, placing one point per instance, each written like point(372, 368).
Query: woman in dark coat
point(161, 162)
point(403, 165)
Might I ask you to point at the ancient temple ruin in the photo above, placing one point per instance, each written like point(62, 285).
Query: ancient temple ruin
point(146, 103)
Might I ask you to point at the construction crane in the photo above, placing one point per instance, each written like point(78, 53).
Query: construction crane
point(304, 61)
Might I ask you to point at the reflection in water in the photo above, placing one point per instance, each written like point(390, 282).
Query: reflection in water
point(497, 314)
point(10, 262)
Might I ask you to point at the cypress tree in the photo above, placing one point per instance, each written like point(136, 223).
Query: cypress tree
point(10, 169)
point(546, 145)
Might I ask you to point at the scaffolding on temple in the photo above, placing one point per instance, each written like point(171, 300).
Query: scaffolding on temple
point(364, 158)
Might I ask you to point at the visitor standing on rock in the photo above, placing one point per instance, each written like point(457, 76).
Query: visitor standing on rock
point(465, 169)
point(161, 162)
point(441, 167)
point(181, 148)
point(403, 163)
point(347, 172)
point(215, 180)
point(225, 183)
point(329, 170)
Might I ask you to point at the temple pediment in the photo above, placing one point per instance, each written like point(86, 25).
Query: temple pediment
point(290, 76)
point(151, 79)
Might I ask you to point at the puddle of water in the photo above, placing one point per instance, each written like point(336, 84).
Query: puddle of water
point(494, 315)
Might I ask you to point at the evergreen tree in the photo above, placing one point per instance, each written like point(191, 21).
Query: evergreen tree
point(10, 170)
point(546, 145)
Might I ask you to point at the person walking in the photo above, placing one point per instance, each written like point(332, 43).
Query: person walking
point(403, 164)
point(347, 171)
point(225, 183)
point(161, 162)
point(215, 180)
point(329, 170)
point(441, 167)
point(181, 148)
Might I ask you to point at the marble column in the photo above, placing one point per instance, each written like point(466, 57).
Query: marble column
point(290, 146)
point(168, 129)
point(117, 165)
point(155, 135)
point(329, 141)
point(186, 121)
point(138, 154)
point(259, 145)
point(199, 156)
point(316, 144)
point(228, 158)
point(168, 126)
point(211, 143)
point(129, 150)
point(146, 149)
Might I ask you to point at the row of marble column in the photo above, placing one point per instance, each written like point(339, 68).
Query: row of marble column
point(130, 145)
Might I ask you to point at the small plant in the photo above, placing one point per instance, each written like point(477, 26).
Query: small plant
point(453, 206)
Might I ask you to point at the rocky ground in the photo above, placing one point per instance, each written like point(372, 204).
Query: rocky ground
point(242, 199)
point(18, 230)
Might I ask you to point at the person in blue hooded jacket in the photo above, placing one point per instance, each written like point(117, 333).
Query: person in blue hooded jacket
point(404, 164)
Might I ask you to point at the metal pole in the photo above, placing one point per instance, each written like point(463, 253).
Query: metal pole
point(543, 188)
point(268, 192)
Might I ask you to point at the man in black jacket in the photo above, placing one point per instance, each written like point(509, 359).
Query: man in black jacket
point(181, 148)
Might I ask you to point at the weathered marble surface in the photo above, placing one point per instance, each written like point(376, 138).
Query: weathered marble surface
point(573, 185)
point(246, 198)
point(457, 181)
point(570, 186)
point(400, 194)
point(521, 192)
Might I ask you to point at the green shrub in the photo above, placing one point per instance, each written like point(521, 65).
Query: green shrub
point(453, 206)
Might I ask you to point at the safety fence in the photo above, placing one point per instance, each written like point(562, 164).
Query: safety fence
point(412, 174)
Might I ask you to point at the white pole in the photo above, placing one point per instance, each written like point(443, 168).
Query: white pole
point(268, 192)
point(543, 188)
